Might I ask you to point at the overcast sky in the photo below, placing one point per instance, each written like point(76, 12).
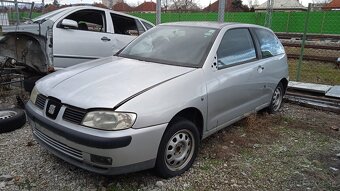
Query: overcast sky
point(201, 3)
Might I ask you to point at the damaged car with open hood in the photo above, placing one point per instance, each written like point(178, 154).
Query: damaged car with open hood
point(66, 37)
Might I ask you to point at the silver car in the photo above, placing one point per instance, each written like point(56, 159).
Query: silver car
point(152, 104)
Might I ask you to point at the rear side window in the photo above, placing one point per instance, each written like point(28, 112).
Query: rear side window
point(124, 25)
point(147, 25)
point(236, 47)
point(270, 44)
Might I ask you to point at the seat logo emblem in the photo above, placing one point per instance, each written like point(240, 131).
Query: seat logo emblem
point(51, 109)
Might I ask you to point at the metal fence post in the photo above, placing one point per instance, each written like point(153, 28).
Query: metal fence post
point(158, 12)
point(221, 8)
point(287, 24)
point(17, 11)
point(43, 5)
point(32, 7)
point(323, 22)
point(298, 74)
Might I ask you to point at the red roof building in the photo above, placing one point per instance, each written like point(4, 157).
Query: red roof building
point(146, 7)
point(333, 5)
point(122, 7)
point(214, 7)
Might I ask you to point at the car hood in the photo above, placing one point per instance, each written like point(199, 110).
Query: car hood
point(106, 83)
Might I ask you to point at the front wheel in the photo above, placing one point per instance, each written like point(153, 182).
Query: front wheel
point(178, 149)
point(277, 98)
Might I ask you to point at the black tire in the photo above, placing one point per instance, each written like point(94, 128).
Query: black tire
point(29, 83)
point(11, 119)
point(187, 136)
point(277, 99)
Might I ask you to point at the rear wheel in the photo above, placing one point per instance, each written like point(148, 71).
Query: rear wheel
point(277, 98)
point(178, 149)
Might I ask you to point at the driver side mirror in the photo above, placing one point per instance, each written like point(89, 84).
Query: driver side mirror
point(68, 23)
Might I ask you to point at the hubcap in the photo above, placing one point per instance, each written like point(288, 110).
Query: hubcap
point(179, 150)
point(7, 114)
point(277, 99)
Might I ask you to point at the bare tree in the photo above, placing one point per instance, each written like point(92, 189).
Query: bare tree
point(184, 5)
point(165, 4)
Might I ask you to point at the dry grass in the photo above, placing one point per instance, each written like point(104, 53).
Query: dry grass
point(315, 72)
point(291, 150)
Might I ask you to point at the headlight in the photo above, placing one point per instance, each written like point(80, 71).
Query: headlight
point(34, 95)
point(109, 120)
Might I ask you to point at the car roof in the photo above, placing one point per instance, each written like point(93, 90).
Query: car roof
point(79, 7)
point(216, 25)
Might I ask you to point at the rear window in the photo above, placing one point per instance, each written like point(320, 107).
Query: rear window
point(270, 44)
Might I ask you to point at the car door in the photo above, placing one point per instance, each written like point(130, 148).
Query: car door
point(125, 29)
point(272, 53)
point(90, 40)
point(234, 88)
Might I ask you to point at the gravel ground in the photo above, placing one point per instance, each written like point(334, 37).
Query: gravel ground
point(292, 150)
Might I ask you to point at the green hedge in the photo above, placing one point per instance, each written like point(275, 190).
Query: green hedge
point(321, 22)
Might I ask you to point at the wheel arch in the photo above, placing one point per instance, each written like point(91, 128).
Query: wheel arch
point(284, 83)
point(192, 114)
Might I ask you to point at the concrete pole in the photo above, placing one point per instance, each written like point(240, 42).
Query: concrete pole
point(158, 12)
point(221, 8)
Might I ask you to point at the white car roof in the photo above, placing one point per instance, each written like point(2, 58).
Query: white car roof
point(72, 8)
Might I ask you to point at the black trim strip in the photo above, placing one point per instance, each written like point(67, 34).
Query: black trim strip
point(76, 57)
point(76, 136)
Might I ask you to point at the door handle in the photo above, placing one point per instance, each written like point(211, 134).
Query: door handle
point(104, 38)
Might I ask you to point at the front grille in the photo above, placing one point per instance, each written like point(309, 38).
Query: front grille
point(77, 154)
point(74, 115)
point(40, 101)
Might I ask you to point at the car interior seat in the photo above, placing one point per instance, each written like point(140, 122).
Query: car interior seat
point(83, 26)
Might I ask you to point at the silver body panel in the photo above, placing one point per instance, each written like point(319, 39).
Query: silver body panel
point(157, 92)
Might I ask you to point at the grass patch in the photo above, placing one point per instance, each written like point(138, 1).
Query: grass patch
point(315, 72)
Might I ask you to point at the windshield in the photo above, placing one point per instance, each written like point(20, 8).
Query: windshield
point(175, 45)
point(48, 15)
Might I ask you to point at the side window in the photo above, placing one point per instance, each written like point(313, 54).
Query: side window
point(147, 25)
point(270, 44)
point(236, 47)
point(89, 20)
point(124, 25)
point(140, 27)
